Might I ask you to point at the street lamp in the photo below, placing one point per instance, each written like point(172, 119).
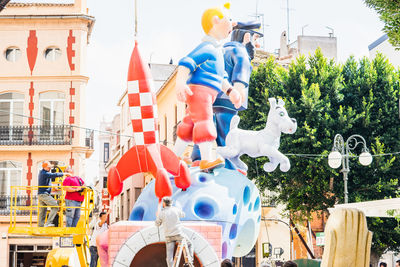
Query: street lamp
point(340, 156)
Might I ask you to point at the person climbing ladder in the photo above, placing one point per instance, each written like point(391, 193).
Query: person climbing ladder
point(169, 217)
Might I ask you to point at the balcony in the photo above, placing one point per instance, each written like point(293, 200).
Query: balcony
point(36, 135)
point(23, 201)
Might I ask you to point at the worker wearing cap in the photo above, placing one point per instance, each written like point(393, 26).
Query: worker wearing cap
point(238, 54)
point(200, 78)
point(45, 199)
point(169, 218)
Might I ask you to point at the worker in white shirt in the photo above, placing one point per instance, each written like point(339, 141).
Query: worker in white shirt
point(169, 218)
point(99, 227)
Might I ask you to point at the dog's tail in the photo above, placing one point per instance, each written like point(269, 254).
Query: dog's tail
point(235, 122)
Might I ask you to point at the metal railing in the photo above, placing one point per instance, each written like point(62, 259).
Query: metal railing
point(36, 135)
point(23, 201)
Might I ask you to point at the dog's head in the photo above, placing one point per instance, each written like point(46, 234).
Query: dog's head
point(279, 116)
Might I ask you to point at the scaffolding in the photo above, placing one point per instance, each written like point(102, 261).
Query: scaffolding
point(78, 234)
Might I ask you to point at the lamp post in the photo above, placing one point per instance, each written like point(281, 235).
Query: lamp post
point(340, 156)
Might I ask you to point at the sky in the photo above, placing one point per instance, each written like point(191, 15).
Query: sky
point(171, 29)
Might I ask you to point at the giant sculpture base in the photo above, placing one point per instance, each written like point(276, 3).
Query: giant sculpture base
point(225, 197)
point(135, 243)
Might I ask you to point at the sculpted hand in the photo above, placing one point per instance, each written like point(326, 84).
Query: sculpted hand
point(182, 89)
point(236, 98)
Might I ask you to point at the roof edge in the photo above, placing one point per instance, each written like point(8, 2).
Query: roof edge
point(378, 42)
point(14, 4)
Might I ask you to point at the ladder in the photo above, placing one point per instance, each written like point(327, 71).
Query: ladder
point(183, 247)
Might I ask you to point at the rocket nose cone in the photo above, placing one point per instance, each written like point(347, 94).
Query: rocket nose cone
point(138, 69)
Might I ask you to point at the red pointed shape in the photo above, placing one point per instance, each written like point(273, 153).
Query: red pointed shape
point(183, 179)
point(163, 186)
point(132, 162)
point(169, 160)
point(32, 49)
point(138, 69)
point(114, 182)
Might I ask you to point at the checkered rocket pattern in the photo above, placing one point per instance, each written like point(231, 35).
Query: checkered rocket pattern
point(143, 111)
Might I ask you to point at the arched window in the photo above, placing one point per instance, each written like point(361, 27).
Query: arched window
point(12, 54)
point(51, 115)
point(11, 116)
point(10, 175)
point(52, 53)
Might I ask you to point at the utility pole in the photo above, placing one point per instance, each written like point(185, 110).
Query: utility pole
point(136, 20)
point(288, 9)
point(288, 25)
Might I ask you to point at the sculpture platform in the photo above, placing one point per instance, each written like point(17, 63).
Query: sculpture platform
point(133, 242)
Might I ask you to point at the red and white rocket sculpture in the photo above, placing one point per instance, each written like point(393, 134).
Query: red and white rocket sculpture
point(147, 155)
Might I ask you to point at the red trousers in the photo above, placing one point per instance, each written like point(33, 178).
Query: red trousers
point(198, 125)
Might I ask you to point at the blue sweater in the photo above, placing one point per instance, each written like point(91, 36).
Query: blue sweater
point(45, 178)
point(238, 68)
point(206, 65)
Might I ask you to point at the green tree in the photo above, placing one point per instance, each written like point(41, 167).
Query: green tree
point(372, 89)
point(389, 13)
point(311, 90)
point(326, 99)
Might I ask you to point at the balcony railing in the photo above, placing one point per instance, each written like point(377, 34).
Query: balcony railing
point(36, 135)
point(24, 200)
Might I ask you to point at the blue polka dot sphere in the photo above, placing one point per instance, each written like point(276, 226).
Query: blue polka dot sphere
point(224, 197)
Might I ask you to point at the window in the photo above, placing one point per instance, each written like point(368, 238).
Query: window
point(52, 115)
point(165, 130)
point(118, 138)
point(128, 202)
point(123, 116)
point(10, 175)
point(106, 152)
point(52, 53)
point(12, 54)
point(176, 115)
point(138, 190)
point(122, 207)
point(159, 132)
point(128, 116)
point(105, 182)
point(11, 105)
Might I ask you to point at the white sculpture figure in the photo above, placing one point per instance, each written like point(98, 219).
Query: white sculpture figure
point(260, 143)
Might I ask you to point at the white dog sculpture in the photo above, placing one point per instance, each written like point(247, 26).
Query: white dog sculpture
point(260, 143)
